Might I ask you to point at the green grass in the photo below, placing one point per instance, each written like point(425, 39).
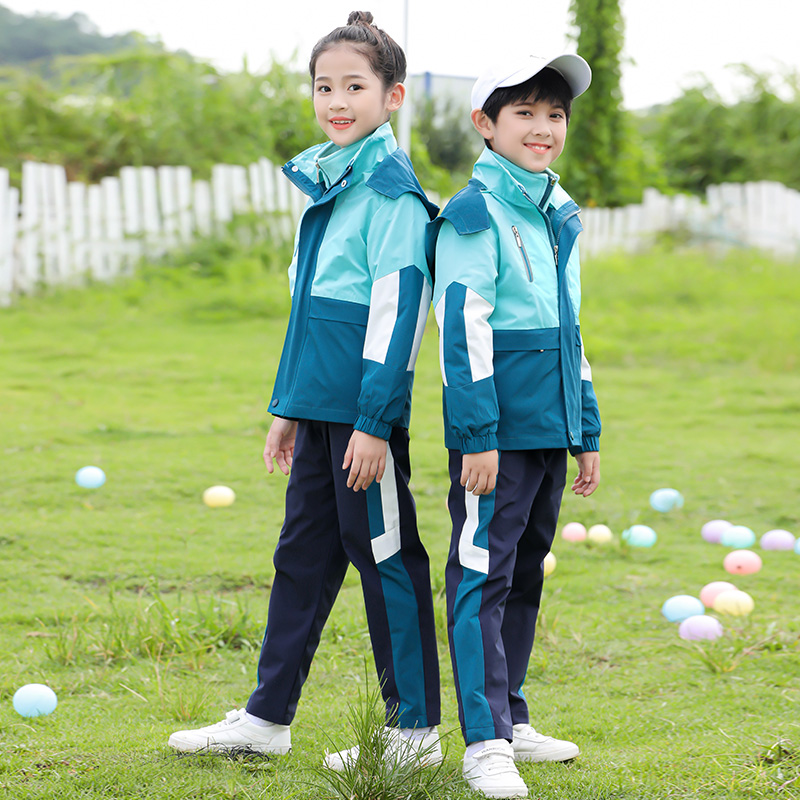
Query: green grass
point(144, 609)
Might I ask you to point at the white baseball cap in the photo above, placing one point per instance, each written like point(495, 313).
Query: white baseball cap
point(575, 71)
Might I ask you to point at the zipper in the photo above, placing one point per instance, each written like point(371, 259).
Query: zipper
point(524, 252)
point(561, 228)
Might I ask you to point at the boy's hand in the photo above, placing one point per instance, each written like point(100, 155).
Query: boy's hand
point(280, 444)
point(479, 472)
point(588, 473)
point(367, 454)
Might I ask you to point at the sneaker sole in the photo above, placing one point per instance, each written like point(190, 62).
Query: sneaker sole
point(499, 794)
point(223, 749)
point(567, 755)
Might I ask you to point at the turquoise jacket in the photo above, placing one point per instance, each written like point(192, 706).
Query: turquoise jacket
point(507, 300)
point(360, 285)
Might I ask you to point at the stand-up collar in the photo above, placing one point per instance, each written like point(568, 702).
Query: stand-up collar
point(511, 181)
point(328, 163)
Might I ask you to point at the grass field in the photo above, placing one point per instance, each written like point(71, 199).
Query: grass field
point(144, 610)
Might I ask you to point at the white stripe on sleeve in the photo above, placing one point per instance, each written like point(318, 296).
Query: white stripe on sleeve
point(382, 317)
point(480, 344)
point(422, 318)
point(439, 313)
point(586, 370)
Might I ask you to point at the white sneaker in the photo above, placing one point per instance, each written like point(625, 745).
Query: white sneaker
point(234, 735)
point(400, 749)
point(529, 745)
point(492, 771)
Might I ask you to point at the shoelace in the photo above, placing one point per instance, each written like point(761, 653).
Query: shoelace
point(504, 765)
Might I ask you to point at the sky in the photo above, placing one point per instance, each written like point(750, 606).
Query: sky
point(668, 44)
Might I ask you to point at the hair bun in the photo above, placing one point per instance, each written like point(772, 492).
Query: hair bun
point(360, 18)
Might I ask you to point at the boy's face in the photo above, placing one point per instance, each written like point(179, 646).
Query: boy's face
point(529, 134)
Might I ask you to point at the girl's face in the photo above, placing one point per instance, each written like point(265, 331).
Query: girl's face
point(349, 98)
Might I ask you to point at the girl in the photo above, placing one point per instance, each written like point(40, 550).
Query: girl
point(360, 296)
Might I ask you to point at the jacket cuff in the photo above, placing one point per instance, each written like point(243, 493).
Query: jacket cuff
point(479, 444)
point(374, 427)
point(589, 444)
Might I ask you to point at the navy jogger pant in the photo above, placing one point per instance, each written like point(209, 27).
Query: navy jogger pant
point(326, 527)
point(494, 584)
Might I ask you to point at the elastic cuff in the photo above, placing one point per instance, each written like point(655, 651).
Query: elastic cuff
point(479, 444)
point(589, 444)
point(374, 427)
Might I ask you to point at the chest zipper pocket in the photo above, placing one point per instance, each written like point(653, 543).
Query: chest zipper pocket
point(524, 253)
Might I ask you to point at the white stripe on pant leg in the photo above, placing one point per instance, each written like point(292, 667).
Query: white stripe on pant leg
point(388, 543)
point(469, 554)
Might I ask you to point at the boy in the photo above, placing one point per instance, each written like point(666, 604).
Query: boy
point(517, 396)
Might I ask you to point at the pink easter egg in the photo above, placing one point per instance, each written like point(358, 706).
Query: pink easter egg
point(742, 562)
point(710, 591)
point(574, 532)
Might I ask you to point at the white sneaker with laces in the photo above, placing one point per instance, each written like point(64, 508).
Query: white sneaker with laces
point(492, 771)
point(400, 749)
point(234, 735)
point(529, 745)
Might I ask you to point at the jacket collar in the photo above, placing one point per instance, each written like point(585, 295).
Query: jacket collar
point(512, 182)
point(327, 164)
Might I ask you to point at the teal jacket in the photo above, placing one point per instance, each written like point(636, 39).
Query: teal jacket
point(507, 300)
point(360, 285)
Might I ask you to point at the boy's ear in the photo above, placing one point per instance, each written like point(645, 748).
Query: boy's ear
point(397, 94)
point(482, 123)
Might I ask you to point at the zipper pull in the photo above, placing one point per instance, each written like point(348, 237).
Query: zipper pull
point(517, 236)
point(555, 253)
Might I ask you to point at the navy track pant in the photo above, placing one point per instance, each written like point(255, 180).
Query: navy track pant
point(327, 526)
point(494, 583)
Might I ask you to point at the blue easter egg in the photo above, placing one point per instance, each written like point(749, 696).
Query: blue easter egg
point(681, 607)
point(640, 536)
point(738, 536)
point(90, 477)
point(35, 700)
point(664, 500)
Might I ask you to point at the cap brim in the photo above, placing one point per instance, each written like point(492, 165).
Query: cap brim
point(574, 69)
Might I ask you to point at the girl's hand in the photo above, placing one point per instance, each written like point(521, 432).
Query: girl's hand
point(588, 473)
point(479, 472)
point(366, 457)
point(280, 444)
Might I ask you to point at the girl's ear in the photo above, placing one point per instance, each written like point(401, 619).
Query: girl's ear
point(482, 124)
point(395, 97)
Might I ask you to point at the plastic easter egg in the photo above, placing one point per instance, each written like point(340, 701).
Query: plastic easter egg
point(218, 496)
point(777, 540)
point(664, 500)
point(90, 477)
point(737, 536)
point(681, 606)
point(712, 531)
point(549, 564)
point(573, 532)
point(599, 534)
point(710, 591)
point(640, 536)
point(742, 562)
point(734, 602)
point(35, 700)
point(700, 626)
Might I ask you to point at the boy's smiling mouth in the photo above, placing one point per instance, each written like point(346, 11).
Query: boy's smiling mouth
point(537, 147)
point(341, 122)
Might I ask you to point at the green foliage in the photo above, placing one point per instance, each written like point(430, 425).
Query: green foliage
point(38, 38)
point(603, 164)
point(449, 140)
point(704, 141)
point(141, 107)
point(374, 774)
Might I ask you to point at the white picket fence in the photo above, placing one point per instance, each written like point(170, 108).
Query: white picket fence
point(57, 231)
point(60, 232)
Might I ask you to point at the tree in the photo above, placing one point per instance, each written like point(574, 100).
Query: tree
point(601, 162)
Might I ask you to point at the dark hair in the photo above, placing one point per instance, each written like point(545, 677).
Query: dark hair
point(385, 56)
point(547, 86)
